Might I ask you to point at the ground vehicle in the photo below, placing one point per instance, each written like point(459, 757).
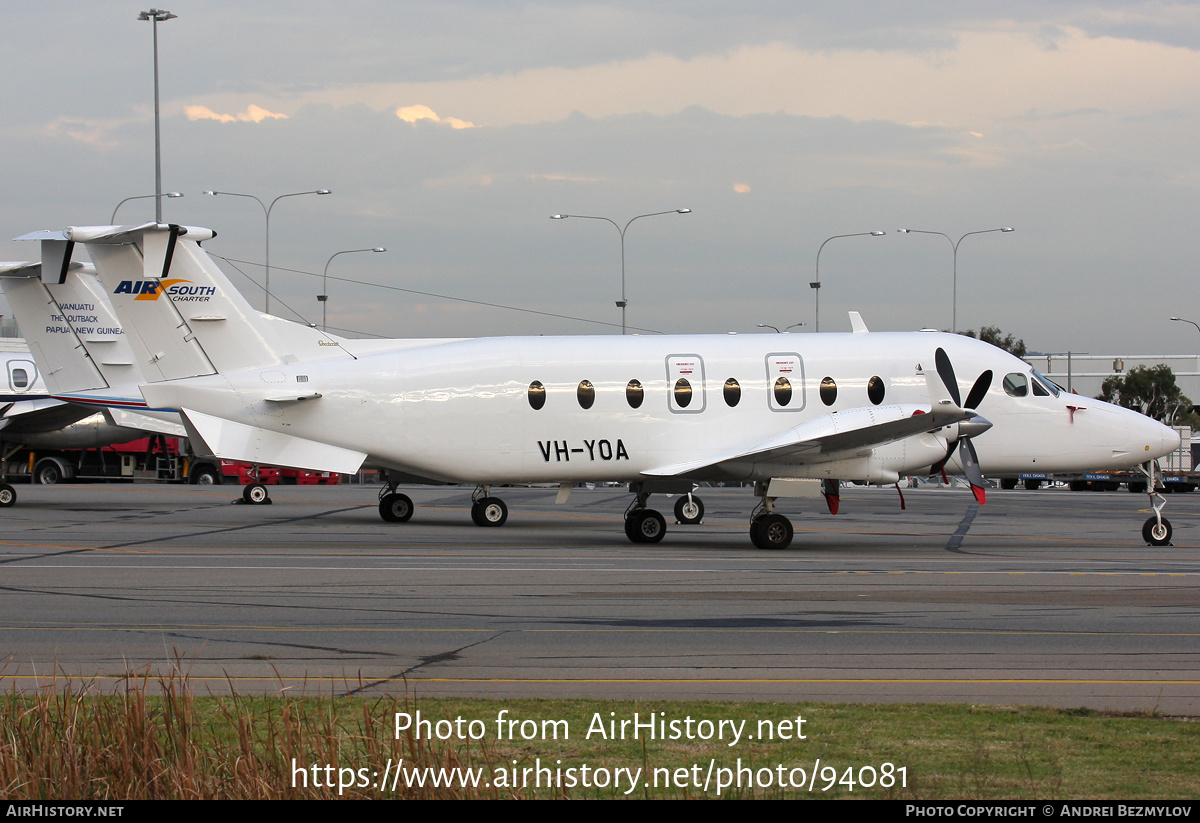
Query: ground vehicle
point(150, 459)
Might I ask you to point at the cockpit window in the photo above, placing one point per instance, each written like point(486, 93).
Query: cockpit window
point(1038, 377)
point(1016, 385)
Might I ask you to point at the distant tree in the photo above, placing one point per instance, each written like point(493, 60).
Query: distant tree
point(1149, 390)
point(993, 335)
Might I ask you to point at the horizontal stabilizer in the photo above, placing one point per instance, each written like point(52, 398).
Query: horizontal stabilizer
point(144, 422)
point(237, 441)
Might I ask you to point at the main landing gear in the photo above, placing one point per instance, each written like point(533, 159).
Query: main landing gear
point(643, 525)
point(768, 529)
point(393, 506)
point(487, 510)
point(8, 495)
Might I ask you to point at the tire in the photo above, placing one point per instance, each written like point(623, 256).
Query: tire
point(205, 476)
point(1033, 485)
point(1137, 487)
point(48, 473)
point(645, 526)
point(1008, 483)
point(8, 496)
point(255, 494)
point(1157, 535)
point(489, 511)
point(396, 508)
point(772, 532)
point(689, 510)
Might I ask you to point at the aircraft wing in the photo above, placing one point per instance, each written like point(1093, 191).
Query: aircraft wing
point(846, 432)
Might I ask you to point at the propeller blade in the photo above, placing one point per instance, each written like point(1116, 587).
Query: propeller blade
point(976, 395)
point(946, 371)
point(970, 462)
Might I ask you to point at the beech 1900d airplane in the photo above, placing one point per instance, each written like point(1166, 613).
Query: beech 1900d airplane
point(795, 414)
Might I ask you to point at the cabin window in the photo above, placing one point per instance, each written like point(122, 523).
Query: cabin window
point(875, 390)
point(828, 391)
point(635, 394)
point(20, 378)
point(733, 392)
point(783, 391)
point(537, 395)
point(1016, 385)
point(586, 394)
point(683, 393)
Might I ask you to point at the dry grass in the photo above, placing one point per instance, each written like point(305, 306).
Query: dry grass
point(154, 740)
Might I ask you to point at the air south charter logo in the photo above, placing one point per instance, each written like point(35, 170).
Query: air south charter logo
point(178, 289)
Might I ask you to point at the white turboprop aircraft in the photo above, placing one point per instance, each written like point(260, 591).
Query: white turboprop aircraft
point(794, 414)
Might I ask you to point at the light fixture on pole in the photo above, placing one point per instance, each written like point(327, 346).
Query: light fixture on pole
point(267, 213)
point(622, 303)
point(323, 297)
point(112, 220)
point(954, 246)
point(157, 16)
point(777, 331)
point(816, 284)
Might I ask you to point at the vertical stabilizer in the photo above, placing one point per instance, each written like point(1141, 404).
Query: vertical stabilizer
point(51, 327)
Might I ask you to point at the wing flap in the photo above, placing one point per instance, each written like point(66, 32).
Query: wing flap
point(845, 432)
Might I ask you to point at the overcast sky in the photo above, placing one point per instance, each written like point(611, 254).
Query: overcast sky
point(450, 132)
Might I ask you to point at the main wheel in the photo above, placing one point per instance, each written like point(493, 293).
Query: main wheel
point(771, 531)
point(396, 508)
point(689, 510)
point(645, 526)
point(489, 511)
point(48, 473)
point(8, 496)
point(1008, 483)
point(255, 494)
point(205, 476)
point(1033, 485)
point(1157, 535)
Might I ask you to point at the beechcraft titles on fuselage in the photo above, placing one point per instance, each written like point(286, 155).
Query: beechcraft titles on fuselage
point(560, 451)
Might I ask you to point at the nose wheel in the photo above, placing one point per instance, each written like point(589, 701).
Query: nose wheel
point(1156, 533)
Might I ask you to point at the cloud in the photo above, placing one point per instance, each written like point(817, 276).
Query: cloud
point(741, 188)
point(252, 114)
point(411, 114)
point(91, 132)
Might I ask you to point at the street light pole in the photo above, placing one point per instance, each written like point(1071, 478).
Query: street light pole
point(267, 213)
point(816, 284)
point(954, 246)
point(622, 303)
point(157, 16)
point(323, 297)
point(112, 220)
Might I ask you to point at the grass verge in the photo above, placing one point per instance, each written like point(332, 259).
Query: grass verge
point(155, 739)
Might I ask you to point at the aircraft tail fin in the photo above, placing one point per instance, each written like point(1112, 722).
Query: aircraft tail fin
point(182, 316)
point(53, 319)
